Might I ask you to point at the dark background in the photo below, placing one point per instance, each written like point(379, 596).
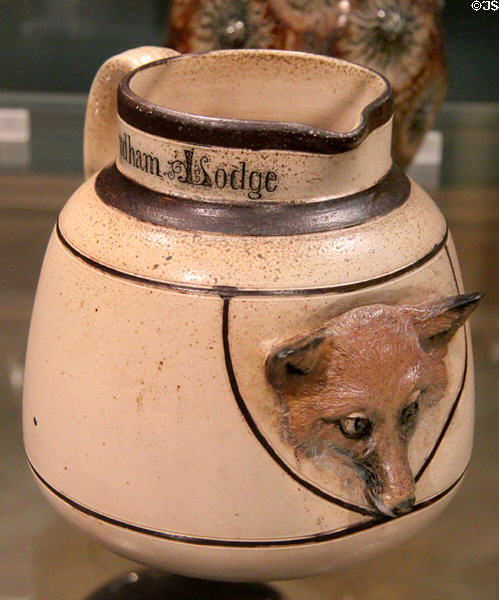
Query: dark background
point(57, 46)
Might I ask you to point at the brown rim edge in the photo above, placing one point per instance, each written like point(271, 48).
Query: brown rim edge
point(239, 133)
point(257, 219)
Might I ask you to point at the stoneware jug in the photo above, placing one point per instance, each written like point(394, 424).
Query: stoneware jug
point(248, 356)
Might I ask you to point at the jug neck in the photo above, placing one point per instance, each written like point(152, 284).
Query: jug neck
point(240, 175)
point(254, 126)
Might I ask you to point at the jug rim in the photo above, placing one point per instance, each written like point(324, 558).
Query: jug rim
point(251, 134)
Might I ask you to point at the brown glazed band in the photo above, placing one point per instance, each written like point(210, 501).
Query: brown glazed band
point(239, 133)
point(258, 219)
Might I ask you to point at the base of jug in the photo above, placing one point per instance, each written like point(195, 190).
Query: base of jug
point(248, 562)
point(157, 585)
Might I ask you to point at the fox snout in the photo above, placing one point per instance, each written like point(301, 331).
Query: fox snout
point(389, 480)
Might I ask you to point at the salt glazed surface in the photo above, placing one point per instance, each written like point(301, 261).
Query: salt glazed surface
point(248, 356)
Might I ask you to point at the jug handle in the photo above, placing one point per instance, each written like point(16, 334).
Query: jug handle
point(101, 124)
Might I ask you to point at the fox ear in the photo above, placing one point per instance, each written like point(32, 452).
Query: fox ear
point(436, 322)
point(294, 367)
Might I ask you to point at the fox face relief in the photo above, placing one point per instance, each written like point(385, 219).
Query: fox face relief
point(353, 389)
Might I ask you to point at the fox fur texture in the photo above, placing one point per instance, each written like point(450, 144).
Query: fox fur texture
point(354, 389)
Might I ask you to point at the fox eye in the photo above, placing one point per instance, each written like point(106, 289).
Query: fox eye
point(355, 428)
point(409, 413)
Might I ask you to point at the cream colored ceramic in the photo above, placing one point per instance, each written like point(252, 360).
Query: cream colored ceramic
point(253, 200)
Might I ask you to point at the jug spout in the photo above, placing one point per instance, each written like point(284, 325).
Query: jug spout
point(254, 126)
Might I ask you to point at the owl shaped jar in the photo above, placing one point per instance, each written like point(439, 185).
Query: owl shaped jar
point(402, 39)
point(248, 356)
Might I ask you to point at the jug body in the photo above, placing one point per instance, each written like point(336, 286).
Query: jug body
point(248, 357)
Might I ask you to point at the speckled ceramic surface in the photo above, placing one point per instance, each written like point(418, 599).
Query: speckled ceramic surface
point(252, 204)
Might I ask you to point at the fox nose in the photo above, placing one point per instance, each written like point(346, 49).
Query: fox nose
point(403, 507)
point(391, 509)
point(391, 482)
point(398, 500)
